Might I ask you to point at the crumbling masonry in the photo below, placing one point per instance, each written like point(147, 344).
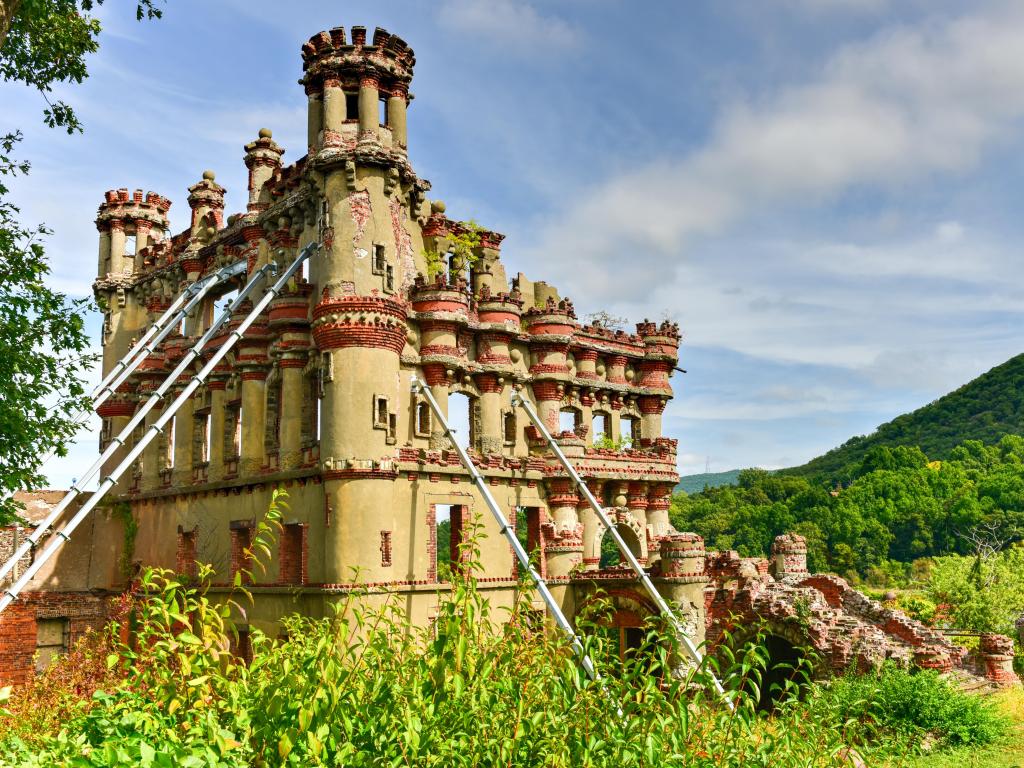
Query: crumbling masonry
point(316, 398)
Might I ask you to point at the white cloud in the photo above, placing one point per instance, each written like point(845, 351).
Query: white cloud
point(905, 104)
point(511, 23)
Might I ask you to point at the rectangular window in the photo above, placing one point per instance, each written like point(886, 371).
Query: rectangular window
point(389, 278)
point(201, 439)
point(509, 428)
point(169, 444)
point(385, 548)
point(379, 260)
point(380, 414)
point(351, 106)
point(129, 245)
point(600, 427)
point(52, 640)
point(422, 420)
point(383, 112)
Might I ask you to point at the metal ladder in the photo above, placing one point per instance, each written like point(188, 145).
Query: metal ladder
point(634, 564)
point(64, 534)
point(180, 308)
point(418, 387)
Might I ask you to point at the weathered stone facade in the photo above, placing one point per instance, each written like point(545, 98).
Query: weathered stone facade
point(317, 398)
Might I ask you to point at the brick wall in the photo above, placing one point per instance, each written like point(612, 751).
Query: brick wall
point(18, 632)
point(293, 555)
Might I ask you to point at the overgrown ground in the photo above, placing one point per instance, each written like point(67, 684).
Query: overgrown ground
point(1008, 752)
point(361, 688)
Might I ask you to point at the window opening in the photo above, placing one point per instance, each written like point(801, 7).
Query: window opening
point(389, 278)
point(351, 106)
point(52, 636)
point(291, 552)
point(385, 548)
point(423, 419)
point(460, 419)
point(568, 420)
point(451, 557)
point(600, 427)
point(171, 444)
point(379, 259)
point(629, 429)
point(510, 428)
point(383, 111)
point(129, 245)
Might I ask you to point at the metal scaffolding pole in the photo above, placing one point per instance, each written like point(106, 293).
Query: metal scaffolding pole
point(508, 532)
point(641, 574)
point(193, 294)
point(64, 534)
point(119, 440)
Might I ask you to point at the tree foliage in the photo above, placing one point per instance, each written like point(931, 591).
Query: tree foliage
point(983, 410)
point(896, 508)
point(43, 344)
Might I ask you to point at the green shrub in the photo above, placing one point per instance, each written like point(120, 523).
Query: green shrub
point(908, 705)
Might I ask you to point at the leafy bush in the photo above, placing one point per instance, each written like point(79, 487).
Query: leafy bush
point(363, 687)
point(911, 705)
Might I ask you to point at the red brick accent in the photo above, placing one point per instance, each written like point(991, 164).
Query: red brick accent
point(84, 611)
point(185, 558)
point(293, 554)
point(651, 404)
point(362, 321)
point(434, 374)
point(488, 382)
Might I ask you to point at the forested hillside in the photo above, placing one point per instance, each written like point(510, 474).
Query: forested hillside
point(985, 409)
point(697, 483)
point(897, 507)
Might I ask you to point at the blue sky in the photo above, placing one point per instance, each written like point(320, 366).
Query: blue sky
point(823, 193)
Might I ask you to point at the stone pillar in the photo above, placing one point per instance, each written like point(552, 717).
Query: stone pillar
point(183, 426)
point(659, 499)
point(548, 398)
point(218, 424)
point(314, 116)
point(491, 438)
point(565, 550)
point(334, 108)
point(789, 556)
point(290, 451)
point(262, 158)
point(592, 527)
point(117, 411)
point(117, 241)
point(617, 369)
point(151, 454)
point(435, 378)
point(103, 267)
point(651, 408)
point(636, 500)
point(206, 199)
point(254, 419)
point(369, 96)
point(397, 105)
point(683, 580)
point(996, 652)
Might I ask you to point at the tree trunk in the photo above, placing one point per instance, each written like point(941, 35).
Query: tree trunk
point(8, 10)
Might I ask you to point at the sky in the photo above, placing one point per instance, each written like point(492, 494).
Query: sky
point(823, 193)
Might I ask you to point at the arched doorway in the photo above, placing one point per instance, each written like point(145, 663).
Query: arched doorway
point(786, 665)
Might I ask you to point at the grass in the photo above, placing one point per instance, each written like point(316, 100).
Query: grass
point(1008, 753)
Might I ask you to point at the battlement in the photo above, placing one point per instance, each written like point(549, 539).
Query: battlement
point(119, 204)
point(388, 58)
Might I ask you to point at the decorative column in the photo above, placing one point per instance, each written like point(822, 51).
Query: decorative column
point(217, 384)
point(637, 503)
point(397, 105)
point(117, 242)
point(262, 158)
point(255, 366)
point(292, 364)
point(565, 549)
point(183, 427)
point(617, 369)
point(369, 96)
point(651, 408)
point(490, 387)
point(104, 266)
point(314, 115)
point(592, 527)
point(659, 499)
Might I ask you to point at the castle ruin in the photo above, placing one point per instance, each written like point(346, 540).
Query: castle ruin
point(317, 398)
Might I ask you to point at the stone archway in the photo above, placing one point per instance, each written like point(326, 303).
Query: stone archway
point(632, 534)
point(785, 646)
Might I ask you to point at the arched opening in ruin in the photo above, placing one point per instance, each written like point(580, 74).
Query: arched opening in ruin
point(785, 667)
point(611, 555)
